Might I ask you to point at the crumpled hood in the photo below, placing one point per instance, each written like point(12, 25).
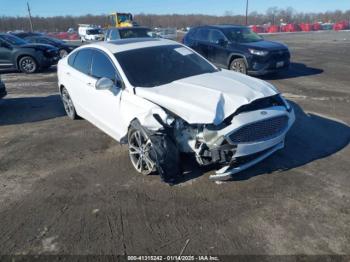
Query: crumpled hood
point(207, 98)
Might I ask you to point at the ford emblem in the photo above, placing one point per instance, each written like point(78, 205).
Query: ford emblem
point(263, 113)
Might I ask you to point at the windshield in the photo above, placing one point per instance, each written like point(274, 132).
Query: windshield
point(124, 18)
point(93, 31)
point(159, 65)
point(135, 32)
point(242, 35)
point(13, 40)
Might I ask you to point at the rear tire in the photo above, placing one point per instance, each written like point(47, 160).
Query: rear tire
point(28, 65)
point(68, 104)
point(238, 65)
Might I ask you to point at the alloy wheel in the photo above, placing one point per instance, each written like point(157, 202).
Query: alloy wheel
point(68, 104)
point(28, 65)
point(140, 151)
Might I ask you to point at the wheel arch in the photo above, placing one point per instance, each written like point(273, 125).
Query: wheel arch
point(20, 56)
point(233, 56)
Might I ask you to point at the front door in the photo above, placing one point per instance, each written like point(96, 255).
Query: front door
point(105, 104)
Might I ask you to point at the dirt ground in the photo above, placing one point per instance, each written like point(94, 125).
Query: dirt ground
point(67, 188)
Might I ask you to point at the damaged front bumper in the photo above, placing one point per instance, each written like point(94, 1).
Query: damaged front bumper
point(248, 153)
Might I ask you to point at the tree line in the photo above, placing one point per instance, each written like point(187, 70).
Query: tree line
point(272, 15)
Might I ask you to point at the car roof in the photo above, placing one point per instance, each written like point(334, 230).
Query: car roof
point(132, 43)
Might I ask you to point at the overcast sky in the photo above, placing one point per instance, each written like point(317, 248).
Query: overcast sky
point(214, 7)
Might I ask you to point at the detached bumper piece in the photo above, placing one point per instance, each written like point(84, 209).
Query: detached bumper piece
point(241, 163)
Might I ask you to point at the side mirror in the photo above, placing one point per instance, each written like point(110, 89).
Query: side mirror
point(221, 42)
point(104, 84)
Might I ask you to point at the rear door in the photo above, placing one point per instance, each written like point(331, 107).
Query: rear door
point(201, 43)
point(80, 82)
point(5, 55)
point(217, 50)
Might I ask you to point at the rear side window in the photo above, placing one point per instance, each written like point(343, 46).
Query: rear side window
point(82, 61)
point(202, 34)
point(71, 58)
point(102, 66)
point(114, 35)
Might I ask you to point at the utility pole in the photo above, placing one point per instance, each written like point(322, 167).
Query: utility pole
point(30, 18)
point(246, 13)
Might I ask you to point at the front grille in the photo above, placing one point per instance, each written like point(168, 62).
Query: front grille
point(280, 55)
point(261, 130)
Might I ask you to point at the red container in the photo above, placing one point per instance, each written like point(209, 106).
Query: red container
point(341, 25)
point(291, 28)
point(257, 29)
point(316, 27)
point(273, 29)
point(306, 27)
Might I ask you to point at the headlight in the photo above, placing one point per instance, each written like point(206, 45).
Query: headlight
point(258, 52)
point(169, 120)
point(288, 107)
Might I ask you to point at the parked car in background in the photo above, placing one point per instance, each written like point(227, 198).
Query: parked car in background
point(238, 48)
point(112, 34)
point(18, 54)
point(25, 34)
point(63, 47)
point(90, 33)
point(2, 89)
point(162, 98)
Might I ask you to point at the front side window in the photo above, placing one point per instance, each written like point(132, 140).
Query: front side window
point(102, 66)
point(159, 65)
point(215, 36)
point(82, 61)
point(242, 35)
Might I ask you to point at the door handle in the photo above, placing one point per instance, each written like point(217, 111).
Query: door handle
point(89, 84)
point(67, 73)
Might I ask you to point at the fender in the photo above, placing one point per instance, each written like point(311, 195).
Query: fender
point(27, 52)
point(236, 55)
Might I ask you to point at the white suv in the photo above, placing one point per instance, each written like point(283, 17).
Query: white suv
point(162, 98)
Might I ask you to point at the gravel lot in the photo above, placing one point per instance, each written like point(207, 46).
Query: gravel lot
point(67, 188)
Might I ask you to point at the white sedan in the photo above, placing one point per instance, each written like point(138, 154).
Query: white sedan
point(163, 99)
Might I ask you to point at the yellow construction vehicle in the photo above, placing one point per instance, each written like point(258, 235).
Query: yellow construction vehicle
point(120, 20)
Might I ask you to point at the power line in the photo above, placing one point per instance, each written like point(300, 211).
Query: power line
point(30, 18)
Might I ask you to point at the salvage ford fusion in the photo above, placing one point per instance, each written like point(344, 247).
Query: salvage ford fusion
point(163, 99)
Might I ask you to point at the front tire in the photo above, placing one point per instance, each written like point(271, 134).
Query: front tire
point(159, 153)
point(63, 53)
point(68, 104)
point(141, 152)
point(28, 65)
point(238, 65)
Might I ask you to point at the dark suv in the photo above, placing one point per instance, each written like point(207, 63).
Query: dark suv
point(28, 58)
point(238, 48)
